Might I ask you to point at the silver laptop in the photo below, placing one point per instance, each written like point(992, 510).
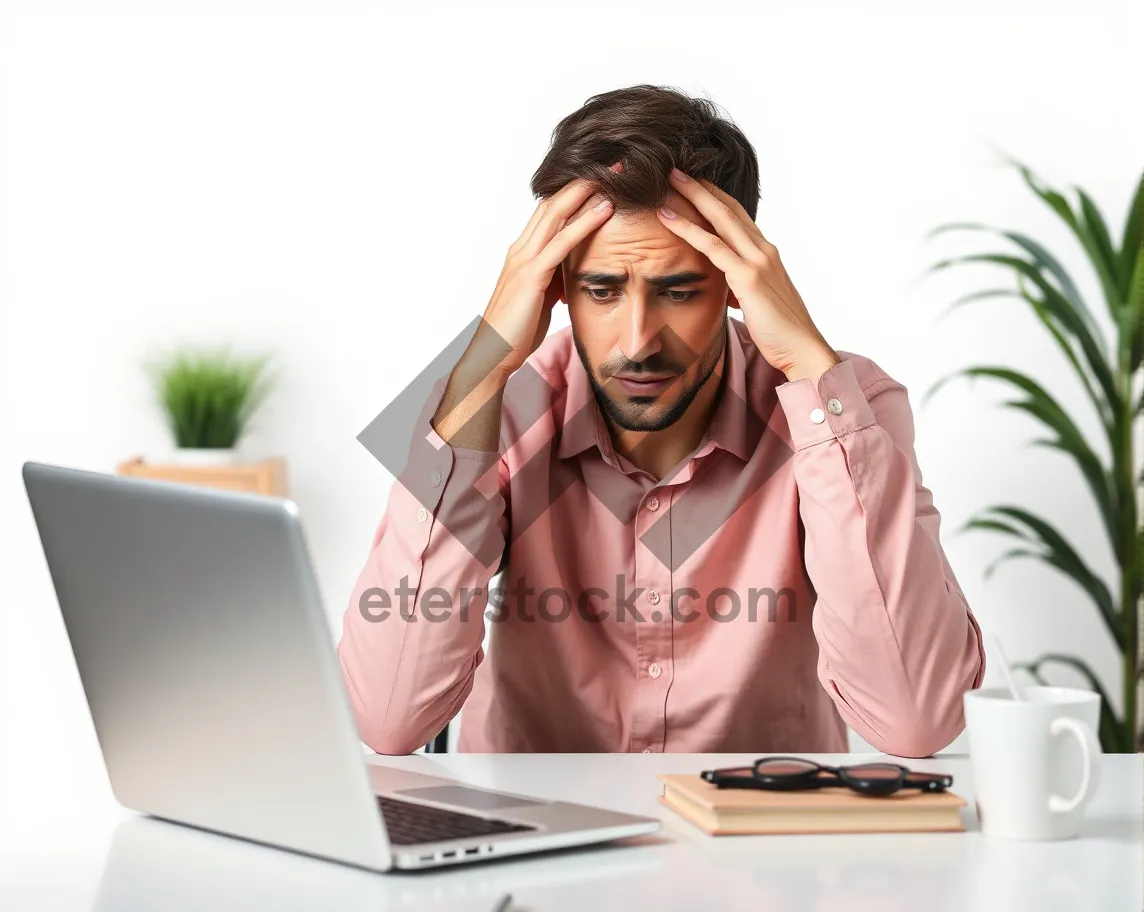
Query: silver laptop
point(216, 691)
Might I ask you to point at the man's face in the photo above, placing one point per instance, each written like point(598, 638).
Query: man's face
point(645, 306)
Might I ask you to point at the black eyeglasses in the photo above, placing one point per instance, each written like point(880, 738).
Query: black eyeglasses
point(795, 773)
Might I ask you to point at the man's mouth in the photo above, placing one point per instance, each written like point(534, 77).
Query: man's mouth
point(643, 384)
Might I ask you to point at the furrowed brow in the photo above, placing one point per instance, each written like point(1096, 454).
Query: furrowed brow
point(663, 281)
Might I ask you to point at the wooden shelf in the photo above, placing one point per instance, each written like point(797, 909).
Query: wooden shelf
point(265, 477)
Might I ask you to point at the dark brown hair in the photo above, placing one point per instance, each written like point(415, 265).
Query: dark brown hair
point(650, 129)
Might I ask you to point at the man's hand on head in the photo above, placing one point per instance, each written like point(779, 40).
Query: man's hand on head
point(773, 310)
point(518, 314)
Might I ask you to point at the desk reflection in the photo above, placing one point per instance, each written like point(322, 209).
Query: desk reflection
point(152, 864)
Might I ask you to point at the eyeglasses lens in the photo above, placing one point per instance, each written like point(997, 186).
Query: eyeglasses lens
point(875, 771)
point(782, 767)
point(735, 772)
point(874, 778)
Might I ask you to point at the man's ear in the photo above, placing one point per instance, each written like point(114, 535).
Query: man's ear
point(732, 301)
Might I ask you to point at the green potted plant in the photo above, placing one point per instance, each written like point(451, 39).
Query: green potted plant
point(209, 398)
point(1108, 368)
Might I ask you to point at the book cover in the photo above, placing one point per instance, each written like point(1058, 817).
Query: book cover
point(827, 810)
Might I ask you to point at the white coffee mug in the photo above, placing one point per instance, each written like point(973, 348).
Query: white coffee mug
point(1035, 762)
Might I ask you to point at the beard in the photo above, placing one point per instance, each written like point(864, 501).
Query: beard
point(642, 415)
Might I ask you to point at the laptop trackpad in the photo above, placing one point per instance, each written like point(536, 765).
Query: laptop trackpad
point(474, 799)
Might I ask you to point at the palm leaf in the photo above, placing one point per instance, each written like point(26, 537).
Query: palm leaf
point(992, 525)
point(1007, 556)
point(1058, 306)
point(1132, 241)
point(1133, 322)
point(1101, 250)
point(977, 296)
point(1045, 260)
point(1047, 410)
point(1112, 732)
point(1100, 404)
point(1131, 271)
point(1081, 229)
point(1102, 486)
point(1057, 552)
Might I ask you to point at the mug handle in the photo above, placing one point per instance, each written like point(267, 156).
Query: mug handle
point(1090, 771)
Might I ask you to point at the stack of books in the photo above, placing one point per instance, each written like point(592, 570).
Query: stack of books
point(826, 810)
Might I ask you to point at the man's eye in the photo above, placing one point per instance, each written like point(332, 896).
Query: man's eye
point(601, 294)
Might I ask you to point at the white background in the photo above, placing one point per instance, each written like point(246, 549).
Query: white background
point(339, 185)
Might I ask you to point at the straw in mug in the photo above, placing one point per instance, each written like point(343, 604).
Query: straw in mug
point(1014, 689)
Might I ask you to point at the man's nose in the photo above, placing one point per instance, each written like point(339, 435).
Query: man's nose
point(641, 329)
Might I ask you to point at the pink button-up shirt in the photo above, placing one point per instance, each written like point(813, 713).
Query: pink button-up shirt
point(785, 578)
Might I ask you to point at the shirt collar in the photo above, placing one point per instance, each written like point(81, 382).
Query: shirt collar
point(731, 427)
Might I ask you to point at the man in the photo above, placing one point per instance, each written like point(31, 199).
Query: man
point(714, 531)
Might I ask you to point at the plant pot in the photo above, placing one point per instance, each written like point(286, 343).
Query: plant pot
point(203, 457)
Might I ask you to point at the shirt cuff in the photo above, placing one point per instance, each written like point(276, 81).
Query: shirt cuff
point(433, 465)
point(822, 409)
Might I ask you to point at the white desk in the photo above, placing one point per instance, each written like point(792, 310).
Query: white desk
point(59, 856)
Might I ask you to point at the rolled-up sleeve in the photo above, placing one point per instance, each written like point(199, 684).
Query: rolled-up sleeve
point(412, 633)
point(898, 643)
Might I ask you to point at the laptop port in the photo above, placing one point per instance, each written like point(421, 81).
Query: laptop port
point(475, 850)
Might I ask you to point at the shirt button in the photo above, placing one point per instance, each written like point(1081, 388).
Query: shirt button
point(653, 503)
point(654, 670)
point(834, 406)
point(818, 416)
point(422, 514)
point(647, 750)
point(653, 597)
point(435, 478)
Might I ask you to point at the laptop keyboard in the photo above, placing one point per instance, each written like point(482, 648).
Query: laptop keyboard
point(408, 823)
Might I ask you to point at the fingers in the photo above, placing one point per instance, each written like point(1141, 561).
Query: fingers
point(566, 201)
point(552, 213)
point(728, 220)
point(742, 214)
point(752, 227)
point(717, 250)
point(578, 189)
point(556, 213)
point(569, 236)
